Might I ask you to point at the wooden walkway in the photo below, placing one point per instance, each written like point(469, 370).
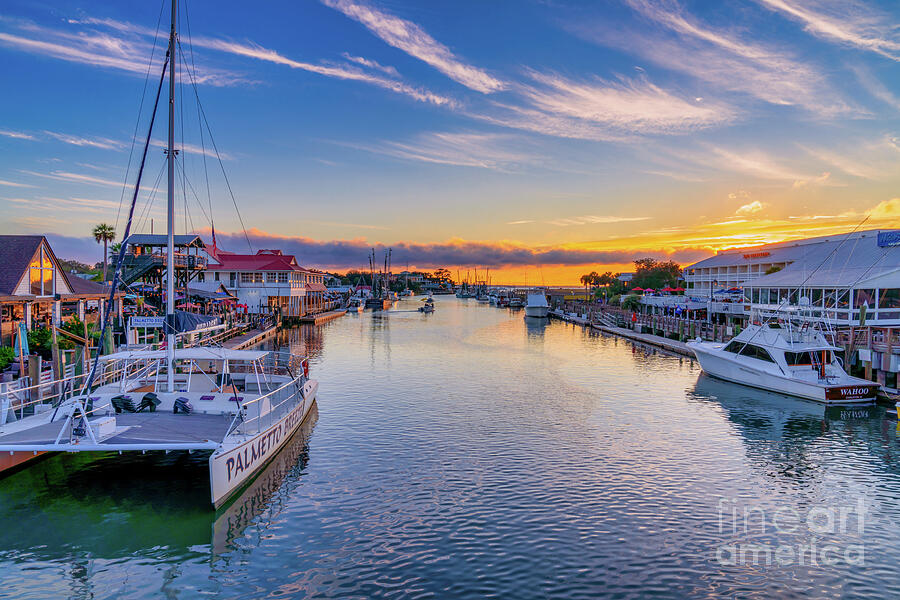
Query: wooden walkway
point(251, 338)
point(323, 317)
point(646, 338)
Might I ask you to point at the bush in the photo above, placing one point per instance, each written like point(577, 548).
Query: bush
point(7, 355)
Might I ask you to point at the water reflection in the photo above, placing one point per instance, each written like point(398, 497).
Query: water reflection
point(77, 509)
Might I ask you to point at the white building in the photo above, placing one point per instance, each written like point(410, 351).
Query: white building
point(265, 281)
point(842, 278)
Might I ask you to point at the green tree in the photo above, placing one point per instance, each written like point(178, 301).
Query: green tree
point(104, 234)
point(653, 274)
point(631, 302)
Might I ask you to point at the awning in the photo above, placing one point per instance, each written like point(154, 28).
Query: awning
point(198, 353)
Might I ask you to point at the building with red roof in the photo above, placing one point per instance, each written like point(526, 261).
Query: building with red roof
point(267, 281)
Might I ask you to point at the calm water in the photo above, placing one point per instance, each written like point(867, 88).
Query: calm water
point(470, 454)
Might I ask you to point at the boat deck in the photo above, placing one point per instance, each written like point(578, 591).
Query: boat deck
point(139, 428)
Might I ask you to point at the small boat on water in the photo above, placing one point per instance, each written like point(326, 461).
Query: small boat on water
point(428, 306)
point(515, 302)
point(537, 306)
point(356, 304)
point(787, 356)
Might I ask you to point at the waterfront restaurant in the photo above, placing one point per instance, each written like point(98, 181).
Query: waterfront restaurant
point(34, 288)
point(848, 279)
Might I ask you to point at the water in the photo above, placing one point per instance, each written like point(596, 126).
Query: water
point(469, 454)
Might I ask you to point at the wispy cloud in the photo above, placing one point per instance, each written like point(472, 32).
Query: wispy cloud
point(482, 150)
point(256, 51)
point(129, 53)
point(412, 39)
point(846, 22)
point(522, 222)
point(75, 178)
point(16, 135)
point(593, 220)
point(721, 59)
point(103, 143)
point(366, 62)
point(15, 184)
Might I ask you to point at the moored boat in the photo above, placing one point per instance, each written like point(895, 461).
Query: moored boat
point(787, 357)
point(537, 306)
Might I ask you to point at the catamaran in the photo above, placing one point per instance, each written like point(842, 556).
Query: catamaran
point(789, 355)
point(241, 406)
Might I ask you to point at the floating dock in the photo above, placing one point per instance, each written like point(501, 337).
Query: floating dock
point(323, 317)
point(251, 338)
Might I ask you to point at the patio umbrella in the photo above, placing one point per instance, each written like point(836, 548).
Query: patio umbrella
point(667, 289)
point(678, 289)
point(637, 289)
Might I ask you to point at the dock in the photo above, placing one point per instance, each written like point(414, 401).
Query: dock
point(250, 338)
point(647, 338)
point(323, 317)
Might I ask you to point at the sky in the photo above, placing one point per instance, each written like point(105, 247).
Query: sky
point(541, 139)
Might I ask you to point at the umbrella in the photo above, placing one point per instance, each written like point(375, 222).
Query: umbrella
point(667, 289)
point(637, 289)
point(649, 290)
point(678, 289)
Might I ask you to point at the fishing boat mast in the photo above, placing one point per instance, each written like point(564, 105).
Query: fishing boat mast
point(170, 252)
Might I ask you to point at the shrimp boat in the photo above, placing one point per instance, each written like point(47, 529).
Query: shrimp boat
point(789, 356)
point(241, 406)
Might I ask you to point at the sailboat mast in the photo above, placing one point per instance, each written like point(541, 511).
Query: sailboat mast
point(170, 252)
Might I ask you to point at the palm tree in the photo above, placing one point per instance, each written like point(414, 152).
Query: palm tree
point(104, 233)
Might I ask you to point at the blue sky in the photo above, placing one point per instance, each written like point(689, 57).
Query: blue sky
point(509, 134)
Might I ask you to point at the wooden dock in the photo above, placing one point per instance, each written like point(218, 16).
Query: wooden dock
point(646, 338)
point(323, 317)
point(251, 338)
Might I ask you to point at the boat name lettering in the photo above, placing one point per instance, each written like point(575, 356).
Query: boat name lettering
point(251, 453)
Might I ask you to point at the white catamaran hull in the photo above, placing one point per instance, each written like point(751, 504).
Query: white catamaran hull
point(234, 464)
point(716, 365)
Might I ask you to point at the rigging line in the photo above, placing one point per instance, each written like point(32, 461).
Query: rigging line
point(120, 258)
point(137, 122)
point(212, 140)
point(193, 69)
point(142, 220)
point(199, 202)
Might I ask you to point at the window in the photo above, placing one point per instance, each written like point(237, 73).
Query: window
point(733, 347)
point(232, 277)
point(41, 274)
point(217, 275)
point(246, 277)
point(257, 278)
point(282, 277)
point(864, 297)
point(201, 277)
point(795, 359)
point(748, 350)
point(889, 298)
point(271, 277)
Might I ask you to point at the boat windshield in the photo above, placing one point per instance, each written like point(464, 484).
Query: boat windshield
point(808, 358)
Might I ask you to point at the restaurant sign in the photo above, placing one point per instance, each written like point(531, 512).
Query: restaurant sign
point(888, 239)
point(146, 322)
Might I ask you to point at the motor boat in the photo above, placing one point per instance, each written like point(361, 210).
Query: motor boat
point(427, 306)
point(793, 358)
point(516, 302)
point(536, 306)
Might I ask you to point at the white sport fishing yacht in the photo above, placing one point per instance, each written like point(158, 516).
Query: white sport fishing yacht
point(537, 306)
point(789, 357)
point(241, 406)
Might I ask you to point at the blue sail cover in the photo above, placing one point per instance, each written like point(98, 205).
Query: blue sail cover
point(187, 321)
